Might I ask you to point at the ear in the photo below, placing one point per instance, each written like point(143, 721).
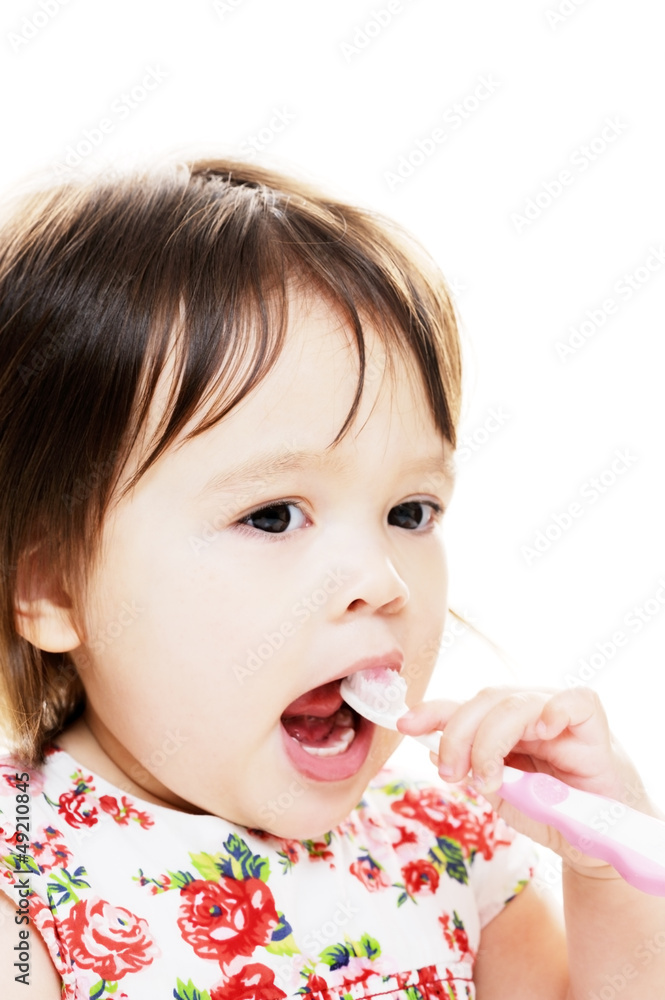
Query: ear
point(42, 608)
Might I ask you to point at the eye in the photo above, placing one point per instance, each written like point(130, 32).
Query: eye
point(275, 519)
point(409, 514)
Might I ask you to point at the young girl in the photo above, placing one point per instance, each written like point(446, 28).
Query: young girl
point(229, 411)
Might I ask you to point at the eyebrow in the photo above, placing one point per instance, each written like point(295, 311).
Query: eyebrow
point(259, 470)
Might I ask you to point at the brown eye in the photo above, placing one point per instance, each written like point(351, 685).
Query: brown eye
point(409, 515)
point(275, 519)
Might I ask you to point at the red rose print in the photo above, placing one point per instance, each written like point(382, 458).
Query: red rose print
point(73, 807)
point(108, 939)
point(449, 818)
point(369, 873)
point(126, 812)
point(420, 875)
point(316, 984)
point(461, 939)
point(405, 837)
point(455, 936)
point(255, 982)
point(48, 853)
point(318, 850)
point(224, 919)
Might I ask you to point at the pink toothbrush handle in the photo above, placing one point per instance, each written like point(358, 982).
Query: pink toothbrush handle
point(630, 841)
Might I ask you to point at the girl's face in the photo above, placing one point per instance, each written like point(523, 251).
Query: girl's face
point(250, 570)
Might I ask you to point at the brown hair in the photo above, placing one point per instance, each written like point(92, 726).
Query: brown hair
point(95, 277)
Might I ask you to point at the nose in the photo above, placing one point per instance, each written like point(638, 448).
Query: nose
point(372, 583)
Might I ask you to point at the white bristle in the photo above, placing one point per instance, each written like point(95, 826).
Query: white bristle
point(384, 693)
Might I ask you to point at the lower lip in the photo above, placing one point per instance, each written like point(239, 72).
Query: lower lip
point(346, 765)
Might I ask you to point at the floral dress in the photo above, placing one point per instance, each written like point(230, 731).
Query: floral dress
point(137, 901)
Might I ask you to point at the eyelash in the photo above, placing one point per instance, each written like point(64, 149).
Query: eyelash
point(437, 513)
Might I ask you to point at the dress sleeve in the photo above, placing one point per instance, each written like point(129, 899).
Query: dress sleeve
point(504, 861)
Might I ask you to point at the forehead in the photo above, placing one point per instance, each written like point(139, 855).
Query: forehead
point(301, 404)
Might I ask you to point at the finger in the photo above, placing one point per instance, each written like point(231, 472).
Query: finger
point(578, 710)
point(508, 723)
point(427, 717)
point(460, 732)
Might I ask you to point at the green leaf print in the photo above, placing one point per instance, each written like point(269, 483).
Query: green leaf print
point(238, 863)
point(21, 863)
point(396, 788)
point(447, 856)
point(518, 888)
point(243, 863)
point(188, 991)
point(81, 785)
point(103, 989)
point(282, 941)
point(368, 946)
point(286, 946)
point(336, 956)
point(64, 884)
point(209, 866)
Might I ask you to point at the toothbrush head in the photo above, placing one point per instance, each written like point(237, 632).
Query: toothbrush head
point(377, 694)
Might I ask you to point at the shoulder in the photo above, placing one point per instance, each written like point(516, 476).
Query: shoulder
point(453, 829)
point(453, 810)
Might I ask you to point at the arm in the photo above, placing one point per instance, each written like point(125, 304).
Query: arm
point(44, 981)
point(615, 934)
point(522, 951)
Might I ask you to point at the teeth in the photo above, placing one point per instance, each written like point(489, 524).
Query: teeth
point(344, 740)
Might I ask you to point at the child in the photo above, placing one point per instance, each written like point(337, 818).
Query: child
point(229, 411)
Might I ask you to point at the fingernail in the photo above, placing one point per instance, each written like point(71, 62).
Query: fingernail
point(446, 771)
point(407, 716)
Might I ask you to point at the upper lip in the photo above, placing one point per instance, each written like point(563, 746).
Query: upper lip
point(330, 700)
point(393, 661)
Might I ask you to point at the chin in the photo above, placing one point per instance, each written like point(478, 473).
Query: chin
point(323, 807)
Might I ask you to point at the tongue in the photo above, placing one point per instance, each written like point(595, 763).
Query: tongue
point(309, 728)
point(315, 731)
point(320, 721)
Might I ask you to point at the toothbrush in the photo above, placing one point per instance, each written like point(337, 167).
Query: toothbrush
point(632, 842)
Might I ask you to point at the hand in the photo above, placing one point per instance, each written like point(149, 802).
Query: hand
point(564, 733)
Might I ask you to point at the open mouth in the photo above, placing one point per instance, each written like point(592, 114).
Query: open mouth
point(324, 738)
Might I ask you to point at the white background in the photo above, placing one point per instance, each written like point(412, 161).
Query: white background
point(355, 110)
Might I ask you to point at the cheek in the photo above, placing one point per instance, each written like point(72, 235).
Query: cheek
point(431, 600)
